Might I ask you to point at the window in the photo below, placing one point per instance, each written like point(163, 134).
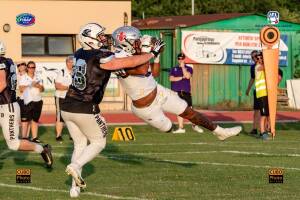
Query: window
point(47, 45)
point(33, 45)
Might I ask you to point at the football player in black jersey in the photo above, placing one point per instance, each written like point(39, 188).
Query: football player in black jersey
point(10, 111)
point(80, 110)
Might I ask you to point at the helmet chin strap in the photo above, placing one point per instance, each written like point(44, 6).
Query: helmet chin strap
point(100, 44)
point(89, 45)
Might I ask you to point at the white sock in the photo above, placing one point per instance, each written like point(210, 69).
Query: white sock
point(38, 148)
point(218, 130)
point(89, 153)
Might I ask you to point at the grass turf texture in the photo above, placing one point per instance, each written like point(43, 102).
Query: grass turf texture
point(164, 166)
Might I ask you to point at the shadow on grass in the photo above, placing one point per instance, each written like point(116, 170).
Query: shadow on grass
point(87, 170)
point(288, 126)
point(20, 159)
point(112, 152)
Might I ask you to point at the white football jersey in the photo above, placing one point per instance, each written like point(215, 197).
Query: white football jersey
point(136, 86)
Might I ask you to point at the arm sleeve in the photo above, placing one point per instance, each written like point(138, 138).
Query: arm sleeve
point(2, 64)
point(106, 56)
point(171, 73)
point(59, 77)
point(190, 69)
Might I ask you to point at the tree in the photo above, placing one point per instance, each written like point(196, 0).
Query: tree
point(289, 9)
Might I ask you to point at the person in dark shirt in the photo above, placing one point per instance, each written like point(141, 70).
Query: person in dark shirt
point(256, 114)
point(10, 111)
point(180, 76)
point(80, 109)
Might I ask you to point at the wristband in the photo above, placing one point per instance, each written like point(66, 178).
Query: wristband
point(156, 60)
point(155, 53)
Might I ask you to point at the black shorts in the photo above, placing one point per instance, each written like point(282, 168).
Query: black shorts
point(23, 110)
point(263, 106)
point(58, 110)
point(186, 96)
point(32, 111)
point(255, 101)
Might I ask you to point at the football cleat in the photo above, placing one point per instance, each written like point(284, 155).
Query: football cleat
point(71, 170)
point(197, 129)
point(179, 130)
point(74, 191)
point(265, 136)
point(224, 133)
point(47, 156)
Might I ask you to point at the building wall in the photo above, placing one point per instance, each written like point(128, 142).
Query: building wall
point(61, 17)
point(58, 17)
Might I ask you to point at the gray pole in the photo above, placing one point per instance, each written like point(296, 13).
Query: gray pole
point(193, 7)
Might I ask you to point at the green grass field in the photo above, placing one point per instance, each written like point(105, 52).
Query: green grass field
point(164, 166)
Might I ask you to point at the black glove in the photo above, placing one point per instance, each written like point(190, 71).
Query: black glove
point(158, 46)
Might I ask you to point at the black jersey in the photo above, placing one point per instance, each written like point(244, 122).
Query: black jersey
point(88, 82)
point(8, 95)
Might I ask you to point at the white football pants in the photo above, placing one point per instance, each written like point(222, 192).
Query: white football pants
point(166, 100)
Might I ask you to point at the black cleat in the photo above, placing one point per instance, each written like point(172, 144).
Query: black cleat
point(254, 132)
point(59, 139)
point(36, 140)
point(47, 156)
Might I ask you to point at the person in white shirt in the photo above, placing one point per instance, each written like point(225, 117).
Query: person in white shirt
point(62, 83)
point(31, 87)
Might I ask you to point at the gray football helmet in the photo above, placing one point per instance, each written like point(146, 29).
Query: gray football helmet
point(128, 39)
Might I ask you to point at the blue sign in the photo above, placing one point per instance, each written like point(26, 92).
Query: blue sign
point(243, 56)
point(25, 19)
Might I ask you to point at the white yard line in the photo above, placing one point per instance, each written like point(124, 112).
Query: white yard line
point(24, 187)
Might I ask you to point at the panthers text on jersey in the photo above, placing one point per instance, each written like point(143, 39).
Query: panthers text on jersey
point(88, 81)
point(8, 95)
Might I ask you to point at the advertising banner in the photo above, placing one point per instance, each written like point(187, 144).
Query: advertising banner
point(230, 48)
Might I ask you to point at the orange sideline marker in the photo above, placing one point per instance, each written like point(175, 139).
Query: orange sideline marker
point(270, 37)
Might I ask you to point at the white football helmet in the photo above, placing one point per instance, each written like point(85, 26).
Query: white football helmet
point(128, 39)
point(2, 48)
point(91, 36)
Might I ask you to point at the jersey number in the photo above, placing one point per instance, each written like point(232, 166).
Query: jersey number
point(13, 77)
point(79, 72)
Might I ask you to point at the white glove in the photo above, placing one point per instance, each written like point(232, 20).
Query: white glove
point(159, 44)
